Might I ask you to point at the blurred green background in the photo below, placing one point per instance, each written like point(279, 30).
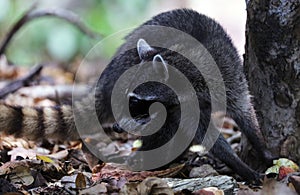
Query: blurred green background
point(49, 39)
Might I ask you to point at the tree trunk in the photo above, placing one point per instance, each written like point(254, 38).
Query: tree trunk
point(272, 66)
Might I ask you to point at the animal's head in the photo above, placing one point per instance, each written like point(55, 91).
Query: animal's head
point(154, 67)
point(148, 62)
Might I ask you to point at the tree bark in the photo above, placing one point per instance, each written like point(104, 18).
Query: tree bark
point(272, 67)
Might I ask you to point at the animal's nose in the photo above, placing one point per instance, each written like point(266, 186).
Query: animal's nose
point(117, 128)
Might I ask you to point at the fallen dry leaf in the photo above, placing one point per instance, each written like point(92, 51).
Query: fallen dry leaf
point(7, 71)
point(80, 181)
point(271, 186)
point(21, 175)
point(282, 162)
point(99, 188)
point(59, 155)
point(44, 158)
point(116, 171)
point(284, 171)
point(10, 142)
point(154, 185)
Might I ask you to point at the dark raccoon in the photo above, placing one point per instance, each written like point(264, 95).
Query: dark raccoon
point(212, 36)
point(58, 122)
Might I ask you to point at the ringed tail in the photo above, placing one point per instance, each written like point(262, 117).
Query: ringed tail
point(36, 123)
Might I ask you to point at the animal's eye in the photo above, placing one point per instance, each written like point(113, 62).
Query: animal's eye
point(134, 99)
point(137, 104)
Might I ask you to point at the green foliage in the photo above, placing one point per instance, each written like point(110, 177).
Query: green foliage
point(51, 39)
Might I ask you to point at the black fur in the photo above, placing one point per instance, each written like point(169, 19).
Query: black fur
point(16, 123)
point(218, 43)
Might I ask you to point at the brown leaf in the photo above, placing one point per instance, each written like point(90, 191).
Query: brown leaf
point(80, 181)
point(9, 167)
point(10, 142)
point(154, 185)
point(116, 171)
point(39, 179)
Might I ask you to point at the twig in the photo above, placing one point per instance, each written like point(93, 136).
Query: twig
point(19, 83)
point(65, 15)
point(14, 29)
point(53, 92)
point(31, 14)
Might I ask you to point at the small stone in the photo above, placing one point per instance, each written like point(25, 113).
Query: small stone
point(203, 171)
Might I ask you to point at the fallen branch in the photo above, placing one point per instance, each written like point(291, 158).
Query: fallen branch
point(225, 183)
point(19, 83)
point(51, 92)
point(32, 14)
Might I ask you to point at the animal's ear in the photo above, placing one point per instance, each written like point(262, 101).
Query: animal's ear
point(160, 66)
point(144, 49)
